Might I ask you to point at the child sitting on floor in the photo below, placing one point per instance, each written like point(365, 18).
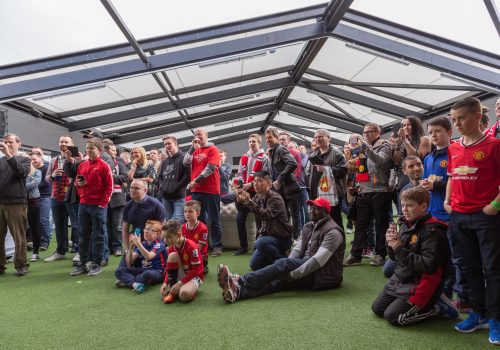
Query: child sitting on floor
point(145, 260)
point(184, 273)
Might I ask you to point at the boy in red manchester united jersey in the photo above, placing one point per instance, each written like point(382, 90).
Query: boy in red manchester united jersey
point(184, 273)
point(196, 230)
point(473, 201)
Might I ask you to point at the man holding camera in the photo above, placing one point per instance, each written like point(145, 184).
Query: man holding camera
point(273, 230)
point(94, 181)
point(372, 174)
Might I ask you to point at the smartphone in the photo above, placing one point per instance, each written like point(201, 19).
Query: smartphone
point(240, 183)
point(396, 127)
point(74, 151)
point(80, 178)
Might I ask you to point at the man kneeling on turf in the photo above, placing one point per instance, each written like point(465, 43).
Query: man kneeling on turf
point(314, 263)
point(184, 265)
point(145, 260)
point(421, 253)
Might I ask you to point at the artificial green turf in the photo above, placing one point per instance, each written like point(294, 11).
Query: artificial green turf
point(48, 309)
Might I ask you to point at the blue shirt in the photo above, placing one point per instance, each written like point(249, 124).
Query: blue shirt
point(159, 261)
point(436, 167)
point(137, 213)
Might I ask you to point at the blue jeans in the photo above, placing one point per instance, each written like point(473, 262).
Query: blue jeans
point(92, 225)
point(60, 215)
point(389, 267)
point(269, 279)
point(210, 212)
point(174, 209)
point(45, 231)
point(303, 209)
point(130, 275)
point(72, 210)
point(478, 243)
point(268, 249)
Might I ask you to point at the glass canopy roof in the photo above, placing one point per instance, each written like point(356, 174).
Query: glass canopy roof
point(137, 71)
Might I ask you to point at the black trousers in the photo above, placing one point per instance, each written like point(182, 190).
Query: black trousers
point(368, 206)
point(398, 311)
point(34, 222)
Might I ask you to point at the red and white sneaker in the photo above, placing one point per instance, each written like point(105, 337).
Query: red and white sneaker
point(229, 284)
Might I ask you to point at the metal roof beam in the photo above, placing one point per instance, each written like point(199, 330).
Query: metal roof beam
point(184, 103)
point(161, 42)
point(160, 62)
point(425, 39)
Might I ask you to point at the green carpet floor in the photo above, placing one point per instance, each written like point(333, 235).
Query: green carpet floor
point(48, 309)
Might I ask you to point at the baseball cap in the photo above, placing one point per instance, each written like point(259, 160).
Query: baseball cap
point(321, 202)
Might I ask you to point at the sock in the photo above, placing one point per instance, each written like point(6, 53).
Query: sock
point(172, 272)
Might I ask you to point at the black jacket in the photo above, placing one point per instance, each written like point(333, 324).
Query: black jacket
point(13, 174)
point(282, 164)
point(270, 215)
point(173, 177)
point(422, 260)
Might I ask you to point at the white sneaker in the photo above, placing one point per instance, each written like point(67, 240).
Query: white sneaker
point(35, 257)
point(76, 258)
point(56, 256)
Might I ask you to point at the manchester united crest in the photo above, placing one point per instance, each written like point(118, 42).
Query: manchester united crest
point(479, 155)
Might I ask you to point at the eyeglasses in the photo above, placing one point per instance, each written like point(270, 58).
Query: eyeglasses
point(150, 230)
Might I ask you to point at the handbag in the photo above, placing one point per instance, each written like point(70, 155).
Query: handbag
point(291, 188)
point(327, 188)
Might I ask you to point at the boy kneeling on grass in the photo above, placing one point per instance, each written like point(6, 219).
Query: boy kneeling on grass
point(145, 260)
point(421, 252)
point(184, 274)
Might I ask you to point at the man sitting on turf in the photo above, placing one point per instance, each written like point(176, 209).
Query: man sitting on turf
point(421, 252)
point(314, 263)
point(184, 265)
point(145, 263)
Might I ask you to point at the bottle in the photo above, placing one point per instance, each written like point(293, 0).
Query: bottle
point(60, 165)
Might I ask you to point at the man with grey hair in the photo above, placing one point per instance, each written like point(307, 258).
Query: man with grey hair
point(325, 155)
point(14, 167)
point(204, 159)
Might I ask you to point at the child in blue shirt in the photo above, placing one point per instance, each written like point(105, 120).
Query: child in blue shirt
point(145, 260)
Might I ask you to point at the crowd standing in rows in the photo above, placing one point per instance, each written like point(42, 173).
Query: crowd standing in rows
point(157, 214)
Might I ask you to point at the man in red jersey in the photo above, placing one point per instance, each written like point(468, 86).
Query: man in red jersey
point(495, 129)
point(473, 201)
point(204, 159)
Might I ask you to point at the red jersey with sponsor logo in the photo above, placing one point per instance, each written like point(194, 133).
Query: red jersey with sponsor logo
point(203, 156)
point(199, 235)
point(474, 172)
point(190, 259)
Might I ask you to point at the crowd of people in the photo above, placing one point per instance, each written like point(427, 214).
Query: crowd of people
point(161, 213)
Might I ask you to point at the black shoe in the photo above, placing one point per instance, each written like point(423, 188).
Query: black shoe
point(240, 251)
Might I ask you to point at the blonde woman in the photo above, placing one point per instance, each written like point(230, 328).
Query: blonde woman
point(32, 181)
point(140, 169)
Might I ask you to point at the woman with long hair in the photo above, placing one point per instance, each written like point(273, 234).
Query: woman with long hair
point(32, 181)
point(141, 169)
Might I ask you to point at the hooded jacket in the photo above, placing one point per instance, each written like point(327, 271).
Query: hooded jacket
point(173, 177)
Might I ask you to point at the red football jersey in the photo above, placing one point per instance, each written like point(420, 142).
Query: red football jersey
point(199, 235)
point(473, 171)
point(201, 158)
point(190, 259)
